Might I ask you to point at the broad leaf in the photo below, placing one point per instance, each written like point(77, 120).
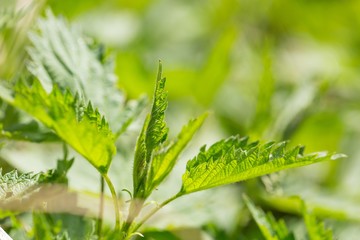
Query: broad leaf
point(154, 133)
point(61, 56)
point(234, 159)
point(270, 228)
point(81, 127)
point(164, 161)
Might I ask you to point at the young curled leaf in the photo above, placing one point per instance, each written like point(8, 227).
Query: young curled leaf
point(154, 133)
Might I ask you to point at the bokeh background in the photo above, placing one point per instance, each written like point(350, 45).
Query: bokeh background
point(271, 70)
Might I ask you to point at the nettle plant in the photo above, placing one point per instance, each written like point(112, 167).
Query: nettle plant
point(68, 88)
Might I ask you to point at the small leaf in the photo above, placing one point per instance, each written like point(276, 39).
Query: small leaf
point(164, 162)
point(269, 227)
point(140, 163)
point(58, 175)
point(234, 159)
point(316, 230)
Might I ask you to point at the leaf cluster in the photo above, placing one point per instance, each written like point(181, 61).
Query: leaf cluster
point(71, 94)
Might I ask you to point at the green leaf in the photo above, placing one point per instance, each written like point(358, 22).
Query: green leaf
point(59, 174)
point(81, 127)
point(269, 227)
point(153, 134)
point(140, 163)
point(164, 161)
point(316, 230)
point(234, 159)
point(156, 132)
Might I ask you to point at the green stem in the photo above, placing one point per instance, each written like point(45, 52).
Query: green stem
point(115, 199)
point(101, 208)
point(153, 211)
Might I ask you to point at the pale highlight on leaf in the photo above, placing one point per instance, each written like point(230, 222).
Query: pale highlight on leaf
point(164, 162)
point(234, 159)
point(81, 127)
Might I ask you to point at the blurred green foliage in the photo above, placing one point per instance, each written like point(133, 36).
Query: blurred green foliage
point(274, 70)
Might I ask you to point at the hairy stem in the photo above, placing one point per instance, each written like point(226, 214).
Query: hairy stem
point(153, 211)
point(134, 210)
point(115, 199)
point(101, 207)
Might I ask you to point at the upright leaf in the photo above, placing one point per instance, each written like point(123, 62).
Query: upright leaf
point(81, 127)
point(269, 227)
point(234, 159)
point(140, 163)
point(154, 133)
point(164, 161)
